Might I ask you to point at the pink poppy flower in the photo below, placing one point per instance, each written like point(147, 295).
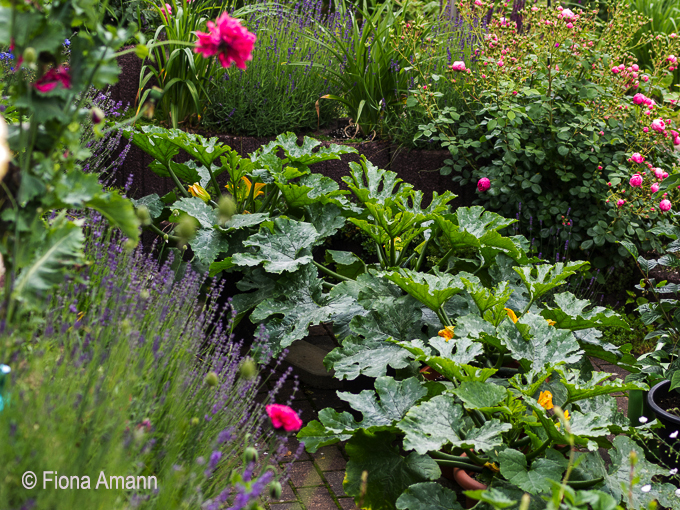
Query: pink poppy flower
point(49, 81)
point(283, 417)
point(665, 205)
point(227, 39)
point(636, 181)
point(483, 184)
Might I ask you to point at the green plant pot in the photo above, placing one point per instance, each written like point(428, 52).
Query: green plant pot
point(638, 406)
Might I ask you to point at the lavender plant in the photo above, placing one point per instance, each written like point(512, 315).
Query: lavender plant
point(272, 97)
point(131, 375)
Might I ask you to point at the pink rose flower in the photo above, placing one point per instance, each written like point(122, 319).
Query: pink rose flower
point(645, 78)
point(636, 181)
point(227, 39)
point(637, 157)
point(483, 184)
point(665, 174)
point(49, 81)
point(658, 125)
point(665, 205)
point(676, 140)
point(639, 98)
point(615, 70)
point(620, 202)
point(658, 173)
point(284, 417)
point(568, 14)
point(458, 65)
point(645, 130)
point(672, 58)
point(654, 188)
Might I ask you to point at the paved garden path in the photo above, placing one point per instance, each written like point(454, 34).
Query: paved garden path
point(316, 479)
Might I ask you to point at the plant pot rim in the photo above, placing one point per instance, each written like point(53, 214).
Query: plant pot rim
point(661, 388)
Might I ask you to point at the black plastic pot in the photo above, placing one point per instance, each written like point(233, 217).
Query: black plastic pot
point(669, 450)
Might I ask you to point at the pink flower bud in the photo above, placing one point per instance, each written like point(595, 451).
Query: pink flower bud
point(620, 202)
point(645, 130)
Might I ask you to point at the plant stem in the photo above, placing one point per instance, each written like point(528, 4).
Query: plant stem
point(330, 273)
point(538, 451)
point(422, 255)
point(461, 465)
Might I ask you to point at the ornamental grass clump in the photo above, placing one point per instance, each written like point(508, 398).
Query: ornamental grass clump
point(133, 374)
point(550, 111)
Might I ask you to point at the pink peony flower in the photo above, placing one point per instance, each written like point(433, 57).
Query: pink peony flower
point(478, 2)
point(654, 188)
point(676, 140)
point(672, 58)
point(458, 65)
point(637, 157)
point(228, 39)
point(665, 205)
point(635, 67)
point(483, 184)
point(636, 181)
point(620, 202)
point(615, 70)
point(658, 125)
point(568, 14)
point(645, 78)
point(658, 173)
point(49, 81)
point(645, 130)
point(665, 174)
point(283, 417)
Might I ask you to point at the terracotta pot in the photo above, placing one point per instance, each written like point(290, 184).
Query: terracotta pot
point(467, 483)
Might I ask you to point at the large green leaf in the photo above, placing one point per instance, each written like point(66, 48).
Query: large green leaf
point(400, 319)
point(56, 250)
point(535, 344)
point(326, 218)
point(118, 211)
point(310, 189)
point(535, 479)
point(617, 476)
point(388, 404)
point(389, 474)
point(433, 290)
point(285, 248)
point(331, 428)
point(239, 221)
point(547, 276)
point(428, 496)
point(600, 383)
point(152, 140)
point(439, 422)
point(371, 184)
point(203, 149)
point(198, 209)
point(478, 221)
point(569, 313)
point(208, 244)
point(152, 202)
point(480, 395)
point(302, 303)
point(307, 153)
point(369, 357)
point(453, 366)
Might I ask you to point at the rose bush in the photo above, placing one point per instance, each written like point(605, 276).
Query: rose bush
point(549, 110)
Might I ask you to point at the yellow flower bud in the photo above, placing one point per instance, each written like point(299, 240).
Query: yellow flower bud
point(197, 190)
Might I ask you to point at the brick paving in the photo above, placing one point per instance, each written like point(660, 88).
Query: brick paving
point(316, 479)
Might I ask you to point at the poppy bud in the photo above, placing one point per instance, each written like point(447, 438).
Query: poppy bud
point(97, 115)
point(248, 369)
point(275, 490)
point(211, 379)
point(30, 55)
point(251, 455)
point(143, 215)
point(227, 208)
